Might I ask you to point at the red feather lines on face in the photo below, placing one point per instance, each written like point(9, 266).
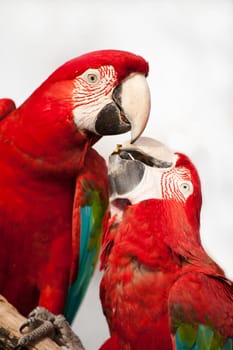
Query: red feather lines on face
point(85, 92)
point(170, 183)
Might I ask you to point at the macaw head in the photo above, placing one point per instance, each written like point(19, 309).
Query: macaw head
point(99, 93)
point(148, 171)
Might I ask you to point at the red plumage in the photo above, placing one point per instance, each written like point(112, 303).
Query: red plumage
point(49, 171)
point(156, 272)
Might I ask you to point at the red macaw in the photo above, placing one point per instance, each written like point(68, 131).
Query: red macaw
point(53, 184)
point(160, 290)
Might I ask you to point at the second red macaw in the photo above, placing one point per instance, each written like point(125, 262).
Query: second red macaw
point(160, 289)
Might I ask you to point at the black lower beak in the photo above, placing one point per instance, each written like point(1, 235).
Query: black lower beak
point(111, 121)
point(121, 203)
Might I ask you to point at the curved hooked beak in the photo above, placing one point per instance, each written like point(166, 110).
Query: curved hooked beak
point(135, 172)
point(129, 110)
point(135, 102)
point(127, 166)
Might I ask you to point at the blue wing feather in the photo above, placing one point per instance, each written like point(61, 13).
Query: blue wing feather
point(91, 217)
point(188, 337)
point(228, 344)
point(200, 312)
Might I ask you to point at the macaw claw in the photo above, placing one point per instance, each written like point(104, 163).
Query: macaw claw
point(42, 323)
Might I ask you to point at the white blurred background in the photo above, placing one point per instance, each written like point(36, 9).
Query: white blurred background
point(189, 45)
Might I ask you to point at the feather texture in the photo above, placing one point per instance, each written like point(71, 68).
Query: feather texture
point(201, 337)
point(91, 218)
point(53, 184)
point(160, 289)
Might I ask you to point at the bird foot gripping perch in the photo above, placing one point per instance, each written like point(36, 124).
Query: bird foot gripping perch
point(41, 323)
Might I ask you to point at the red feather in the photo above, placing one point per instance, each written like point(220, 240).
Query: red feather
point(153, 259)
point(42, 155)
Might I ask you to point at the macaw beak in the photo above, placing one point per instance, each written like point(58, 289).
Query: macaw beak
point(129, 110)
point(127, 166)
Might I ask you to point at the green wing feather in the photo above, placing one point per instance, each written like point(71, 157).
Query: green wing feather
point(200, 312)
point(91, 214)
point(200, 337)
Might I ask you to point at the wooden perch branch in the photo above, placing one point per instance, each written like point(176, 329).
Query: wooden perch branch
point(10, 322)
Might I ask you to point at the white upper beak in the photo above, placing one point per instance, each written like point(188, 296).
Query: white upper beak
point(135, 102)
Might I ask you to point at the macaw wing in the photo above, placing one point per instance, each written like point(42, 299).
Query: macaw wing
point(6, 106)
point(90, 204)
point(200, 337)
point(201, 313)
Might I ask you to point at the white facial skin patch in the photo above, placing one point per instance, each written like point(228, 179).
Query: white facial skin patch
point(176, 184)
point(173, 183)
point(92, 91)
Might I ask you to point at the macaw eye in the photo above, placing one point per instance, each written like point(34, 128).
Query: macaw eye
point(186, 188)
point(92, 76)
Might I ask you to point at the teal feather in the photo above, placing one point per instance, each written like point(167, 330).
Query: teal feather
point(204, 338)
point(228, 344)
point(180, 345)
point(188, 337)
point(91, 217)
